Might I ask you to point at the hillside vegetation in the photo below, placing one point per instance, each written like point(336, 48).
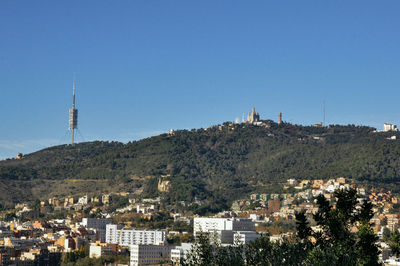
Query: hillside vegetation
point(217, 164)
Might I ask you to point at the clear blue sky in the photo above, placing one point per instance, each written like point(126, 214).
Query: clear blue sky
point(144, 67)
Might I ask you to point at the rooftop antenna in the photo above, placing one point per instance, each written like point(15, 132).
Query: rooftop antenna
point(73, 114)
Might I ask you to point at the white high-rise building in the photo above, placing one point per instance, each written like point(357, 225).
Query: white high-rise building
point(115, 234)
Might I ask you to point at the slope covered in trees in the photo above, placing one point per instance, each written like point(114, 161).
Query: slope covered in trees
point(218, 164)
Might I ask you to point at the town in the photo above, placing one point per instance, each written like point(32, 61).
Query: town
point(129, 230)
point(199, 133)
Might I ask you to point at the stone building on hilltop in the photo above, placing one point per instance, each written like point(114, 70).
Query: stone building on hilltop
point(253, 116)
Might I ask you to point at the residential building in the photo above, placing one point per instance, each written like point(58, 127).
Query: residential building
point(95, 223)
point(98, 224)
point(149, 254)
point(4, 256)
point(83, 200)
point(97, 250)
point(105, 199)
point(125, 237)
point(221, 229)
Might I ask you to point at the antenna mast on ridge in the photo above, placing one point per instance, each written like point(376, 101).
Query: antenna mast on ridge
point(73, 114)
point(324, 112)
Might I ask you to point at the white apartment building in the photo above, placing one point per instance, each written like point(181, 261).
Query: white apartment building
point(204, 225)
point(115, 234)
point(149, 254)
point(221, 229)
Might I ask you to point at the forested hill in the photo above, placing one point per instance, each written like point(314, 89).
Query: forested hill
point(221, 163)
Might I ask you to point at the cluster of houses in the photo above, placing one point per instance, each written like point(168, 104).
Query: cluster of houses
point(75, 203)
point(273, 207)
point(284, 206)
point(44, 243)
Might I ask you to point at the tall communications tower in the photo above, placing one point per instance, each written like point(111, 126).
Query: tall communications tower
point(324, 112)
point(73, 114)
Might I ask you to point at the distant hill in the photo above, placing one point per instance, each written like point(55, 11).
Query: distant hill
point(217, 164)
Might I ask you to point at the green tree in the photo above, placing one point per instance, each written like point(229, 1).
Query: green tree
point(202, 253)
point(338, 245)
point(35, 204)
point(386, 234)
point(394, 242)
point(302, 226)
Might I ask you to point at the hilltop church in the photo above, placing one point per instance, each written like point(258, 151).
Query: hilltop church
point(253, 116)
